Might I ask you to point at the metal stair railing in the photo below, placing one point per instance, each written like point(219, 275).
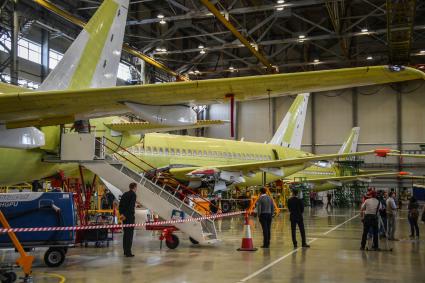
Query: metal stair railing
point(160, 188)
point(150, 175)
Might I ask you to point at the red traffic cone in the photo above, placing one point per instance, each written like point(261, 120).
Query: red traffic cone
point(247, 243)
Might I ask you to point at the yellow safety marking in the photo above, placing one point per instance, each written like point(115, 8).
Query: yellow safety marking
point(54, 275)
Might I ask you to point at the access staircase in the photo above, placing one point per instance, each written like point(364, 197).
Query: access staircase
point(165, 196)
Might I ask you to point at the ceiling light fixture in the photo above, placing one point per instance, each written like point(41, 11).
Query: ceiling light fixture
point(201, 46)
point(280, 1)
point(160, 16)
point(162, 22)
point(369, 58)
point(365, 30)
point(202, 51)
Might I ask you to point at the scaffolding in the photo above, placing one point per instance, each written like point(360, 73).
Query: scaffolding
point(350, 194)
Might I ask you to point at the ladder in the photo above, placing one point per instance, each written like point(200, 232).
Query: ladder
point(154, 192)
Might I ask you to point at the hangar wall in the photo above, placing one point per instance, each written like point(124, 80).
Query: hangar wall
point(335, 114)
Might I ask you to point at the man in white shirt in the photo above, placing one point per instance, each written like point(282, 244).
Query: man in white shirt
point(370, 210)
point(391, 216)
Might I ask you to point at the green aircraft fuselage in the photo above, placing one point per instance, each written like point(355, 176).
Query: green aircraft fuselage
point(26, 165)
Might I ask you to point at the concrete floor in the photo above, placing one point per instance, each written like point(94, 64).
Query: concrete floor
point(333, 257)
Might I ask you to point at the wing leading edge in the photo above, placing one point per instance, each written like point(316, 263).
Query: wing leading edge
point(42, 108)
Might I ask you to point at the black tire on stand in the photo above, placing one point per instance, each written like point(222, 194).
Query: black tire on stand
point(10, 277)
point(193, 241)
point(54, 257)
point(174, 243)
point(225, 206)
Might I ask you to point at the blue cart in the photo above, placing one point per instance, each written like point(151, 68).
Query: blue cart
point(40, 210)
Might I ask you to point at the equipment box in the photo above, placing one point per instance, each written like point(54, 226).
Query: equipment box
point(23, 210)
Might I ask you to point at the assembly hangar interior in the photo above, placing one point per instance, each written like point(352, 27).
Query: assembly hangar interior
point(180, 41)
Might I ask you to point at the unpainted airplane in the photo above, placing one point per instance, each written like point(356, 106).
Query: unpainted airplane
point(82, 87)
point(220, 163)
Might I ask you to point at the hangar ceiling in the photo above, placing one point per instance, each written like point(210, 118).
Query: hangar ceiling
point(291, 35)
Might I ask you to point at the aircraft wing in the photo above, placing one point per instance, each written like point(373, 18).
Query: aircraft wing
point(407, 155)
point(147, 127)
point(276, 167)
point(361, 177)
point(43, 108)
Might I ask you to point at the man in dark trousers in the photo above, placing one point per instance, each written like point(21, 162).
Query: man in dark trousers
point(127, 214)
point(265, 211)
point(296, 208)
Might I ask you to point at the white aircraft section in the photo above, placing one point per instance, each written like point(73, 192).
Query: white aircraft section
point(22, 138)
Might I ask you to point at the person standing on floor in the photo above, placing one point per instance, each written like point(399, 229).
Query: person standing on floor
point(265, 210)
point(382, 197)
point(413, 216)
point(296, 209)
point(127, 214)
point(391, 216)
point(370, 209)
point(329, 203)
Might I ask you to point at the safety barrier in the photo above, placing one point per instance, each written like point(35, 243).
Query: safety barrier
point(114, 226)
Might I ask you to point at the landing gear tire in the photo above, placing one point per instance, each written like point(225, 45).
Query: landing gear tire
point(193, 241)
point(54, 257)
point(173, 243)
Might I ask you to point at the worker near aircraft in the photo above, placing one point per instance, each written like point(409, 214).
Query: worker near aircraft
point(391, 216)
point(265, 211)
point(296, 209)
point(127, 214)
point(370, 210)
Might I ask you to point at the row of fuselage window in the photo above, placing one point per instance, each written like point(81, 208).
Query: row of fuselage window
point(308, 172)
point(197, 153)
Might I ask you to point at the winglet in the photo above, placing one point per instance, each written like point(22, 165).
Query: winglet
point(290, 131)
point(350, 144)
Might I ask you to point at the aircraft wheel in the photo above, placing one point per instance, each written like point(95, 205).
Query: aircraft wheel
point(173, 242)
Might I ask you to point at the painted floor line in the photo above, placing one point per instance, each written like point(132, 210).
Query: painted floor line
point(343, 223)
point(249, 277)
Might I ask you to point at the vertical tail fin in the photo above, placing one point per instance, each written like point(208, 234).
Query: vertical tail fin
point(92, 59)
point(350, 144)
point(290, 131)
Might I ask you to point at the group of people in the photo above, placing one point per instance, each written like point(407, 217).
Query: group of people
point(265, 211)
point(379, 214)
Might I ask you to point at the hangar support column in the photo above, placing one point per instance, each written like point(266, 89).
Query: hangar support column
point(313, 122)
point(44, 54)
point(399, 129)
point(14, 45)
point(355, 106)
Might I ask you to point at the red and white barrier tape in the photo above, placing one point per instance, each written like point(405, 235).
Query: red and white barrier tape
point(117, 226)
